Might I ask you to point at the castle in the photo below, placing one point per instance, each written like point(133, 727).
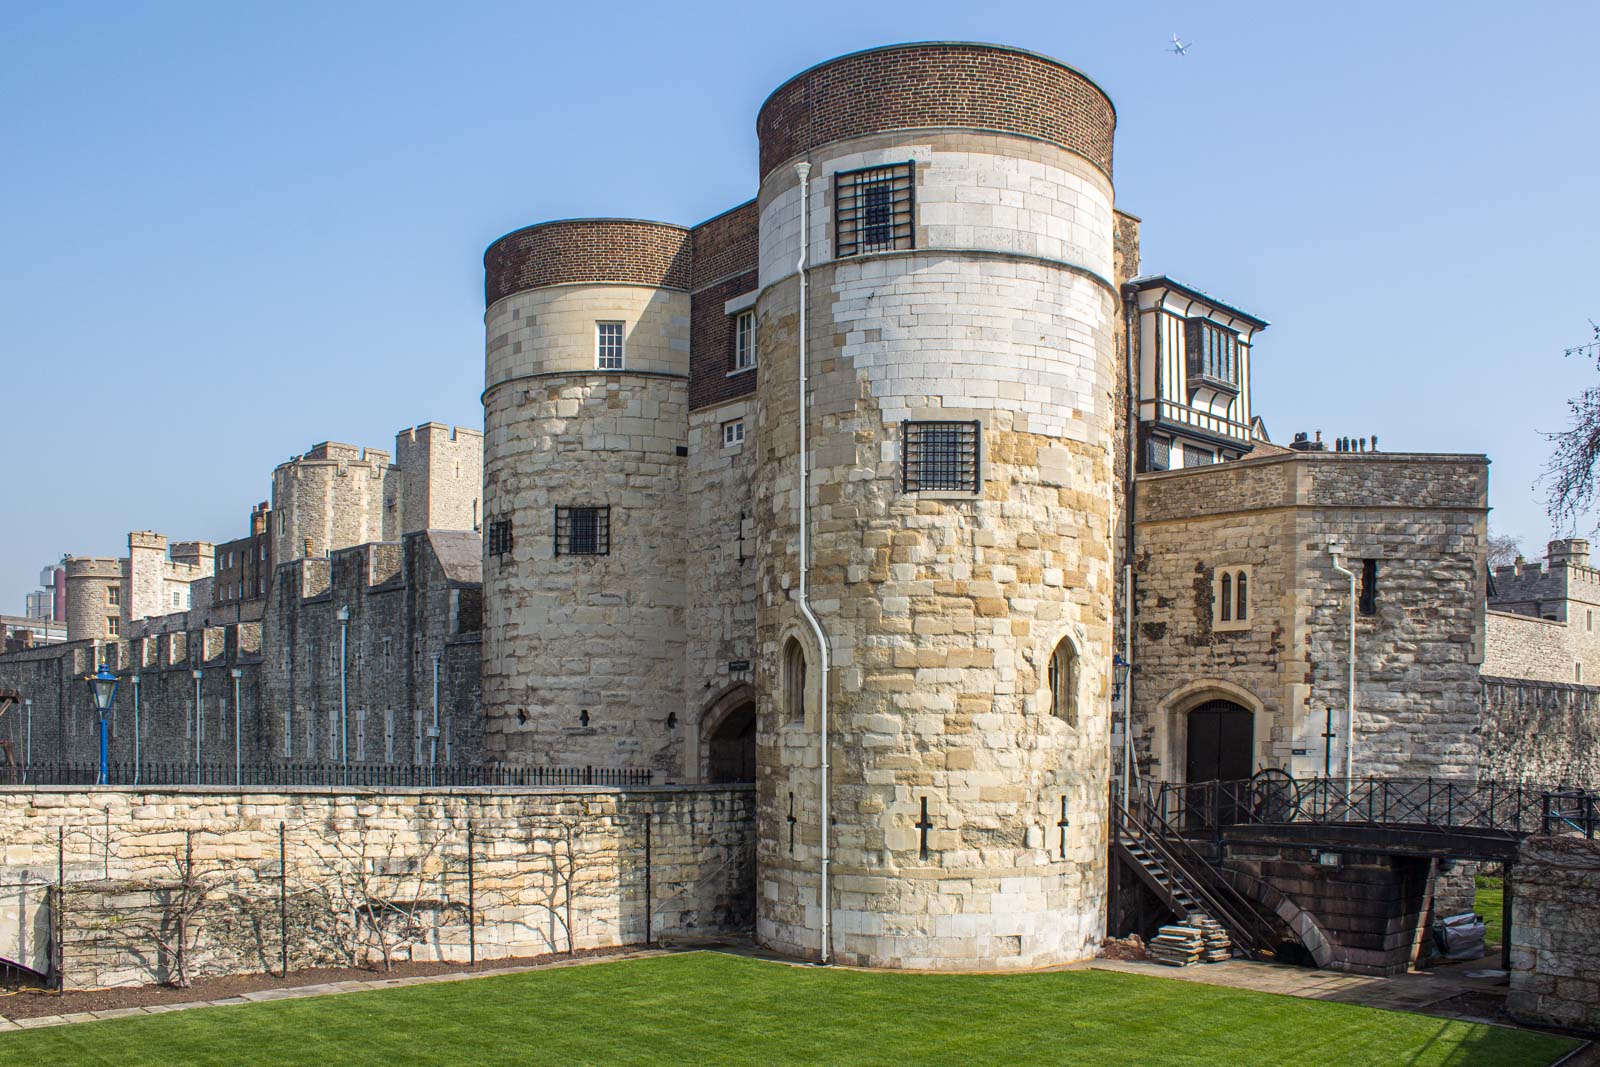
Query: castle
point(898, 490)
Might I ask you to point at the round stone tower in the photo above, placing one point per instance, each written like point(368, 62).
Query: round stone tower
point(96, 592)
point(959, 340)
point(585, 426)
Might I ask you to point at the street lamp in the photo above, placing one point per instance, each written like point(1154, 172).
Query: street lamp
point(27, 752)
point(199, 726)
point(238, 757)
point(135, 680)
point(103, 688)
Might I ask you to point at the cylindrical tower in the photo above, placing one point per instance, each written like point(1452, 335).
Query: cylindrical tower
point(960, 348)
point(96, 597)
point(585, 430)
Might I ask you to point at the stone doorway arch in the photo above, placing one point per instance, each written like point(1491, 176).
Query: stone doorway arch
point(725, 736)
point(1170, 743)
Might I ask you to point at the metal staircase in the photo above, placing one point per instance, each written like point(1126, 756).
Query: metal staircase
point(1186, 882)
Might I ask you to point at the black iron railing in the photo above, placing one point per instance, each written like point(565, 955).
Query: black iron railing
point(365, 776)
point(1141, 823)
point(1427, 803)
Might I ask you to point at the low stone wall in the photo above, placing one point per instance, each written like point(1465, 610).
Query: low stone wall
point(1555, 933)
point(156, 882)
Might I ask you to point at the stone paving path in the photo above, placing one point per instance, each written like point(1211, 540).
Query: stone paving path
point(1404, 992)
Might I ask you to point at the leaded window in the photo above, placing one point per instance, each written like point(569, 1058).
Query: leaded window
point(940, 457)
point(1213, 352)
point(873, 209)
point(584, 531)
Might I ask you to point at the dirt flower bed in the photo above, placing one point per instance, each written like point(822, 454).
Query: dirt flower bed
point(31, 1003)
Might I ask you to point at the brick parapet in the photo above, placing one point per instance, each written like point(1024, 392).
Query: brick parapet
point(565, 251)
point(950, 84)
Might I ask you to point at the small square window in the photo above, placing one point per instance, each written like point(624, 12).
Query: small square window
point(114, 595)
point(584, 531)
point(873, 209)
point(608, 345)
point(733, 433)
point(500, 537)
point(744, 341)
point(940, 457)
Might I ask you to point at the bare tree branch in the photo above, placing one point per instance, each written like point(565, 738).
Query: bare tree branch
point(1570, 473)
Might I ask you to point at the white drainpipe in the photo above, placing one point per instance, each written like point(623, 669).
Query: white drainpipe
point(1350, 695)
point(804, 171)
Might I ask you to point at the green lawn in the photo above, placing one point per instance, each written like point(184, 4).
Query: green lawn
point(705, 1008)
point(1487, 900)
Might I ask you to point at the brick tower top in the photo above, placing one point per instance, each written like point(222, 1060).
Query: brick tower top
point(933, 84)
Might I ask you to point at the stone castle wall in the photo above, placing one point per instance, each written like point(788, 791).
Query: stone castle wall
point(1555, 941)
point(1543, 650)
point(536, 854)
point(1422, 519)
point(91, 604)
point(333, 496)
point(409, 603)
point(1541, 733)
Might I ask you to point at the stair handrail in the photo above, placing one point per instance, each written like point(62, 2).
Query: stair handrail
point(1256, 934)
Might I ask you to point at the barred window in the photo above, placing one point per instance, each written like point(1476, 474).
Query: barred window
point(873, 209)
point(500, 537)
point(744, 341)
point(608, 345)
point(583, 531)
point(941, 456)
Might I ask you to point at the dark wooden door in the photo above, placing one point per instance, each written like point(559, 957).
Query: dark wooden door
point(1220, 741)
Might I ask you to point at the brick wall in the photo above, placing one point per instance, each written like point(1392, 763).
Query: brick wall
point(920, 85)
point(587, 250)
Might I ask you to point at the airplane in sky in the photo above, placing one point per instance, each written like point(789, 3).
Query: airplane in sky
point(1179, 48)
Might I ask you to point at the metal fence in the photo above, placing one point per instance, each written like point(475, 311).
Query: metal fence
point(1506, 808)
point(366, 776)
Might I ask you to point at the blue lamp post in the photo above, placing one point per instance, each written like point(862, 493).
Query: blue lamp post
point(103, 687)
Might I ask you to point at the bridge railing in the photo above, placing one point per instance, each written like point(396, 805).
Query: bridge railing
point(1430, 803)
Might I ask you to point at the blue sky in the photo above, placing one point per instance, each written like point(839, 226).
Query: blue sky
point(232, 231)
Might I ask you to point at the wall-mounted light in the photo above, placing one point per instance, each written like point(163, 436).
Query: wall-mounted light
point(672, 720)
point(522, 717)
point(1119, 669)
point(583, 717)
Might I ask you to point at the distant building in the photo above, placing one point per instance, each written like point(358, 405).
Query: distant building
point(1544, 621)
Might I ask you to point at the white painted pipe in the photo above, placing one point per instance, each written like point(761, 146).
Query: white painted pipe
point(803, 170)
point(1350, 693)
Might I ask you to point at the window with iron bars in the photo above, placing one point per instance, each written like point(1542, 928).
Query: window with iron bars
point(500, 537)
point(583, 531)
point(940, 457)
point(873, 209)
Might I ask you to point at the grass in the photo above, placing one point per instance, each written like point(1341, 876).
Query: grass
point(707, 1008)
point(1487, 900)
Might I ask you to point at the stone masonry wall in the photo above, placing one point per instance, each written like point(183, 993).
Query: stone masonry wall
point(721, 612)
point(1421, 517)
point(941, 609)
point(540, 857)
point(1555, 940)
point(1541, 734)
point(1542, 650)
